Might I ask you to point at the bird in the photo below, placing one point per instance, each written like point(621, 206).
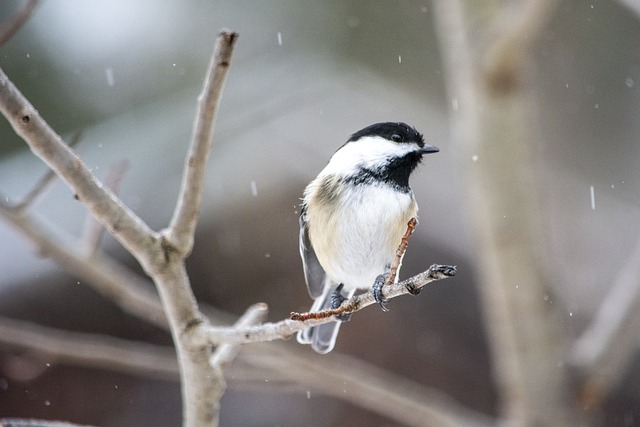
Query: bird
point(352, 219)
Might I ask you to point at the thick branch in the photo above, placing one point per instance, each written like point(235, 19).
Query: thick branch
point(492, 126)
point(183, 224)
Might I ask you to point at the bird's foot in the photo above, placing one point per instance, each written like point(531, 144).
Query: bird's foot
point(336, 301)
point(376, 290)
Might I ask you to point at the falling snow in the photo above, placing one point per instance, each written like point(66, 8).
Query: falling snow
point(108, 72)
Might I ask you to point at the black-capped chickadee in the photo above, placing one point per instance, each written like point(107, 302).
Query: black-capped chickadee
point(354, 215)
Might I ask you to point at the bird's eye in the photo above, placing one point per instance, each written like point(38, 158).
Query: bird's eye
point(396, 138)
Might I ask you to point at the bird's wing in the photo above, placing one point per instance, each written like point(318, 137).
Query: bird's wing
point(314, 274)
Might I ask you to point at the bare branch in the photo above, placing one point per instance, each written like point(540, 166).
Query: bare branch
point(133, 294)
point(183, 224)
point(606, 348)
point(125, 226)
point(11, 27)
point(523, 328)
point(135, 358)
point(285, 328)
point(43, 183)
point(18, 422)
point(370, 387)
point(225, 353)
point(632, 5)
point(93, 230)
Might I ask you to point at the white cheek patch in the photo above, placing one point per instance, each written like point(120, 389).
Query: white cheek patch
point(370, 152)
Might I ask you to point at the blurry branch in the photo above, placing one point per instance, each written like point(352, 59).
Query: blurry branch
point(486, 79)
point(15, 422)
point(511, 35)
point(607, 347)
point(43, 183)
point(134, 234)
point(93, 230)
point(376, 389)
point(115, 282)
point(633, 5)
point(101, 351)
point(371, 387)
point(9, 28)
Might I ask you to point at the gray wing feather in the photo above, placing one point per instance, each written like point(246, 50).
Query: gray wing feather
point(323, 337)
point(314, 274)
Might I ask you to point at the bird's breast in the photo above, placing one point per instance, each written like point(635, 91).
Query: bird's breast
point(355, 232)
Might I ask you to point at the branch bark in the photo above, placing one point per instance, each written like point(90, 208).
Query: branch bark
point(285, 328)
point(161, 257)
point(491, 123)
point(134, 234)
point(185, 217)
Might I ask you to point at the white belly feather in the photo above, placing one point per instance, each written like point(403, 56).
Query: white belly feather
point(355, 235)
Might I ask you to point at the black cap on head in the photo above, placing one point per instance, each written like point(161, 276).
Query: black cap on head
point(397, 132)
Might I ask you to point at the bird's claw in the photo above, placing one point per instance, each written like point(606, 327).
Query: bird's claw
point(377, 292)
point(336, 301)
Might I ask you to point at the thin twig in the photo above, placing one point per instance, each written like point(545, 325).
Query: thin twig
point(93, 230)
point(182, 227)
point(226, 353)
point(298, 321)
point(43, 183)
point(11, 27)
point(402, 248)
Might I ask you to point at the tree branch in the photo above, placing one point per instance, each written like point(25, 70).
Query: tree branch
point(101, 351)
point(285, 328)
point(185, 217)
point(132, 232)
point(226, 353)
point(493, 126)
point(43, 183)
point(11, 27)
point(606, 348)
point(16, 422)
point(130, 292)
point(373, 388)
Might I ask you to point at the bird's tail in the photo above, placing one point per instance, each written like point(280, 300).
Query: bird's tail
point(323, 337)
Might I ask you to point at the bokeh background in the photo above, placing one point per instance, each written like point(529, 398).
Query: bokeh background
point(305, 75)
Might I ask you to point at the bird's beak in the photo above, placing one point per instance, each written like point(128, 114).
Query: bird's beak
point(429, 149)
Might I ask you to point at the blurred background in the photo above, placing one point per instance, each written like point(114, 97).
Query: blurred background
point(303, 78)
